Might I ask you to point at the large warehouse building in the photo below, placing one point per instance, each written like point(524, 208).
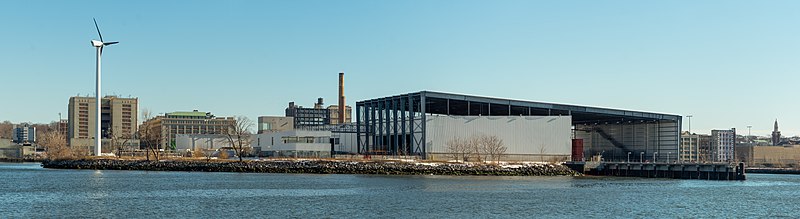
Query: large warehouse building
point(421, 124)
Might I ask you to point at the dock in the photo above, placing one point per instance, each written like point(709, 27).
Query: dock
point(703, 171)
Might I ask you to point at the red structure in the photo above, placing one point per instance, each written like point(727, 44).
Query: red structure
point(577, 149)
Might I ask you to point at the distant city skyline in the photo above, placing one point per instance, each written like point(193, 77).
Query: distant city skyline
point(715, 60)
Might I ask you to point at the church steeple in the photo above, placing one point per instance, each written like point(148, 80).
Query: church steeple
point(776, 125)
point(776, 135)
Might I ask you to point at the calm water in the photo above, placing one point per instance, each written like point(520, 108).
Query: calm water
point(29, 191)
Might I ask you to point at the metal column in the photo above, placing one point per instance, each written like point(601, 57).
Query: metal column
point(424, 121)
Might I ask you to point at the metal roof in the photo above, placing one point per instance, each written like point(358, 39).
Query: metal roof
point(580, 114)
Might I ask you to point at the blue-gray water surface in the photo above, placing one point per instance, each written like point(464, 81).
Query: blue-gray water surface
point(29, 191)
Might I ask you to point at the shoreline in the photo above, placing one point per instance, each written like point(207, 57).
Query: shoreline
point(21, 160)
point(766, 170)
point(317, 167)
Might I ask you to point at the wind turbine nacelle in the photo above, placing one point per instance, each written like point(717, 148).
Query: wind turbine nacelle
point(96, 43)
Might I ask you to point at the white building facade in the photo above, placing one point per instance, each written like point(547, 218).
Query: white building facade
point(722, 144)
point(294, 143)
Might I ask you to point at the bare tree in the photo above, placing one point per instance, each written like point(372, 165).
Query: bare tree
point(119, 140)
point(55, 145)
point(474, 148)
point(458, 149)
point(148, 136)
point(492, 146)
point(6, 129)
point(542, 150)
point(239, 135)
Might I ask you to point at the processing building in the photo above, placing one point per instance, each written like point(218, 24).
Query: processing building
point(421, 124)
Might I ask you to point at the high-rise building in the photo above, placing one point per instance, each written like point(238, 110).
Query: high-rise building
point(722, 144)
point(334, 111)
point(776, 135)
point(304, 117)
point(118, 117)
point(168, 126)
point(24, 134)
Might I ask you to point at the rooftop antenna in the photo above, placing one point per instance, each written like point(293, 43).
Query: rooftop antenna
point(99, 45)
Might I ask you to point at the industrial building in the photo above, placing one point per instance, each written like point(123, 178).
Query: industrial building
point(10, 150)
point(169, 125)
point(769, 156)
point(310, 118)
point(294, 143)
point(334, 112)
point(192, 142)
point(274, 123)
point(420, 124)
point(304, 117)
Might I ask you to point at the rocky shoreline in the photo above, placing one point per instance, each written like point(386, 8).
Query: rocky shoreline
point(317, 167)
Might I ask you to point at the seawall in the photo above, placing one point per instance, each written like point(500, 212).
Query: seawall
point(317, 167)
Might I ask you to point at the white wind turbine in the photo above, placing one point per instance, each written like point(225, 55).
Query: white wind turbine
point(99, 45)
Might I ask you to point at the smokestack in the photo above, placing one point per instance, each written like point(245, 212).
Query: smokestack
point(341, 98)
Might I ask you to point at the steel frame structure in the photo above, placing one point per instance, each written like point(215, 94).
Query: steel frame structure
point(395, 125)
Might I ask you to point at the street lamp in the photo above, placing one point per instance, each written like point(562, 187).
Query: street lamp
point(668, 153)
point(641, 157)
point(654, 157)
point(629, 156)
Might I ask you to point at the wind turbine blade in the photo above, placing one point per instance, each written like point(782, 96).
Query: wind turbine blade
point(101, 50)
point(109, 43)
point(98, 30)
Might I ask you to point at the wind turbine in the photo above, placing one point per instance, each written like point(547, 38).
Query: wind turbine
point(99, 45)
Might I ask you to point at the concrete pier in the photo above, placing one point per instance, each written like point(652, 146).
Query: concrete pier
point(705, 171)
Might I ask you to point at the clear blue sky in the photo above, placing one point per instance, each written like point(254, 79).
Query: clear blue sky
point(728, 63)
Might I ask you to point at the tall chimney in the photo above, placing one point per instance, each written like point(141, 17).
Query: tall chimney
point(341, 98)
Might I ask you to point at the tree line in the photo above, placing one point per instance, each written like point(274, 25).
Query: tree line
point(238, 134)
point(478, 148)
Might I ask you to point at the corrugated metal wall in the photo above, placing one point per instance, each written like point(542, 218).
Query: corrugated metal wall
point(348, 142)
point(522, 135)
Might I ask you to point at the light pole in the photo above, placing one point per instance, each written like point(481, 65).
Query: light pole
point(655, 159)
point(629, 156)
point(690, 123)
point(668, 153)
point(641, 157)
point(748, 133)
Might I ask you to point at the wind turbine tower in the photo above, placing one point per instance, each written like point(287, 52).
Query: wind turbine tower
point(98, 100)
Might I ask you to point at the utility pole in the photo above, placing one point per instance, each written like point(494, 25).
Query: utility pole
point(696, 143)
point(749, 136)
